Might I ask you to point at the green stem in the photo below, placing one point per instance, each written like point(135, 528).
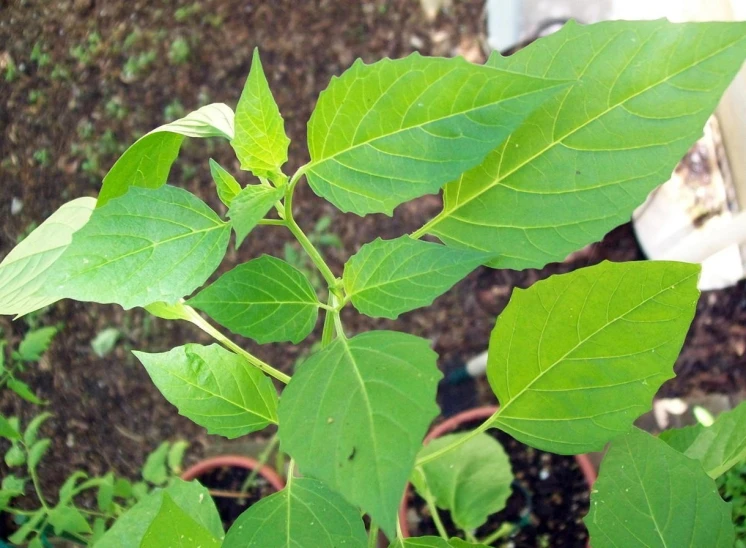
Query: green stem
point(272, 222)
point(262, 459)
point(458, 442)
point(37, 487)
point(504, 530)
point(303, 240)
point(424, 229)
point(291, 471)
point(19, 511)
point(373, 535)
point(434, 512)
point(329, 319)
point(205, 326)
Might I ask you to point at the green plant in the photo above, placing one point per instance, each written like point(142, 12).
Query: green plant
point(39, 56)
point(11, 70)
point(30, 350)
point(67, 518)
point(137, 64)
point(537, 155)
point(320, 237)
point(41, 155)
point(85, 53)
point(178, 52)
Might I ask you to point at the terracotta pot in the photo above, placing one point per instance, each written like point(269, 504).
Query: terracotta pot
point(476, 414)
point(233, 461)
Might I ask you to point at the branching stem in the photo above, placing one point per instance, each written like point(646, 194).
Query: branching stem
point(458, 442)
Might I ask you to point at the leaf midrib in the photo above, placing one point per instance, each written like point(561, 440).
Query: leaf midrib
point(442, 215)
point(526, 388)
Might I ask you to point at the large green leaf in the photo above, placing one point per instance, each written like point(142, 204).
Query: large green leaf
point(174, 528)
point(191, 497)
point(145, 246)
point(433, 542)
point(576, 358)
point(214, 387)
point(25, 270)
point(306, 514)
point(354, 415)
point(649, 495)
point(385, 133)
point(718, 447)
point(472, 481)
point(580, 165)
point(250, 206)
point(388, 277)
point(265, 299)
point(260, 142)
point(147, 162)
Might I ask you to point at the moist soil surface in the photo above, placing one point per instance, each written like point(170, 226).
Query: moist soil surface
point(550, 497)
point(83, 79)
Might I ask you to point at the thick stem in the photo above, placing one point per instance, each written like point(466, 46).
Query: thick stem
point(434, 513)
point(503, 531)
point(458, 442)
point(373, 535)
point(205, 326)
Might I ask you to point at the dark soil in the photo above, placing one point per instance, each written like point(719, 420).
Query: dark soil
point(549, 500)
point(230, 480)
point(66, 114)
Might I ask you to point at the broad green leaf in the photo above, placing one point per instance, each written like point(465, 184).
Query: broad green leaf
point(718, 447)
point(7, 430)
point(105, 341)
point(191, 497)
point(354, 415)
point(25, 270)
point(306, 514)
point(583, 162)
point(228, 187)
point(35, 343)
point(575, 359)
point(66, 519)
point(265, 299)
point(32, 430)
point(385, 133)
point(24, 391)
point(147, 162)
point(649, 495)
point(214, 387)
point(433, 542)
point(146, 246)
point(260, 142)
point(388, 277)
point(154, 470)
point(12, 487)
point(167, 311)
point(250, 207)
point(174, 528)
point(37, 452)
point(472, 481)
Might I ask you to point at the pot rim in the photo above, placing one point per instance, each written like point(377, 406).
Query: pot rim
point(235, 461)
point(451, 424)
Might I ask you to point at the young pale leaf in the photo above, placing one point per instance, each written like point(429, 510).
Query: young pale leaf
point(35, 343)
point(146, 246)
point(24, 391)
point(385, 133)
point(32, 430)
point(37, 451)
point(195, 500)
point(575, 359)
point(147, 162)
point(260, 142)
point(649, 495)
point(583, 162)
point(66, 519)
point(265, 299)
point(176, 311)
point(15, 456)
point(472, 481)
point(174, 528)
point(154, 470)
point(105, 341)
point(176, 455)
point(304, 514)
point(24, 272)
point(355, 413)
point(7, 430)
point(718, 447)
point(228, 187)
point(388, 277)
point(250, 207)
point(433, 542)
point(214, 387)
point(105, 494)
